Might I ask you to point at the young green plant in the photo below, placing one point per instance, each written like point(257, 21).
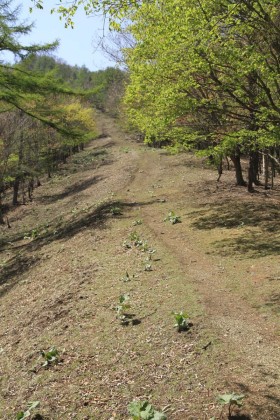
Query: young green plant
point(143, 410)
point(122, 307)
point(27, 413)
point(173, 218)
point(181, 320)
point(50, 356)
point(232, 400)
point(115, 211)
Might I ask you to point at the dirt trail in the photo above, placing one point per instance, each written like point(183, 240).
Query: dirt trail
point(243, 329)
point(67, 280)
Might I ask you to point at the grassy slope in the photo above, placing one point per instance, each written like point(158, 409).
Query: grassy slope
point(59, 288)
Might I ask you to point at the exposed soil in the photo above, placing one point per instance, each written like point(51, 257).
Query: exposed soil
point(69, 255)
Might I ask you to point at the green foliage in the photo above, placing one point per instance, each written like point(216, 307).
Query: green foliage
point(203, 75)
point(50, 356)
point(115, 211)
point(27, 413)
point(114, 10)
point(136, 241)
point(126, 245)
point(134, 237)
point(41, 122)
point(103, 88)
point(143, 410)
point(182, 320)
point(231, 399)
point(173, 218)
point(137, 222)
point(32, 235)
point(122, 307)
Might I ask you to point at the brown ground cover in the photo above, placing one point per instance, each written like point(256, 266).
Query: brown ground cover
point(64, 264)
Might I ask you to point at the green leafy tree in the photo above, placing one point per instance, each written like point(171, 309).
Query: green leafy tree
point(204, 74)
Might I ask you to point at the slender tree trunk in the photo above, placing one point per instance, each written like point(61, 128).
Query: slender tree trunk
point(30, 189)
point(23, 192)
point(228, 164)
point(256, 167)
point(251, 174)
point(1, 211)
point(16, 190)
point(272, 174)
point(253, 171)
point(266, 170)
point(18, 176)
point(220, 169)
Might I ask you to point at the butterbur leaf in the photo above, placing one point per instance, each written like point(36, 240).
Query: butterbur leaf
point(231, 399)
point(237, 399)
point(134, 408)
point(123, 298)
point(33, 404)
point(139, 408)
point(143, 410)
point(30, 406)
point(182, 320)
point(50, 356)
point(159, 416)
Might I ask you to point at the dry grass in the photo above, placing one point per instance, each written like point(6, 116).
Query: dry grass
point(59, 286)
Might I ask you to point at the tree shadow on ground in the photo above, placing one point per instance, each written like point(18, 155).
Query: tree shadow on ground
point(95, 218)
point(9, 274)
point(258, 224)
point(273, 302)
point(85, 161)
point(75, 188)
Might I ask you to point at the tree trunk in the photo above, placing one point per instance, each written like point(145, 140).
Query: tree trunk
point(266, 171)
point(30, 189)
point(19, 168)
point(253, 171)
point(238, 169)
point(1, 211)
point(16, 190)
point(220, 169)
point(255, 168)
point(251, 175)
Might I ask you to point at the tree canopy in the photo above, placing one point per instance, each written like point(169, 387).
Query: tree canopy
point(205, 74)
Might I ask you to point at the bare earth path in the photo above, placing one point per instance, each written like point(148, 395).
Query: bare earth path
point(64, 265)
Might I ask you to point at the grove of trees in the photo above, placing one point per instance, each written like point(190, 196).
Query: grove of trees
point(203, 75)
point(200, 75)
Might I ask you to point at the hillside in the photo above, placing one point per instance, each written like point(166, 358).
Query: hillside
point(96, 231)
